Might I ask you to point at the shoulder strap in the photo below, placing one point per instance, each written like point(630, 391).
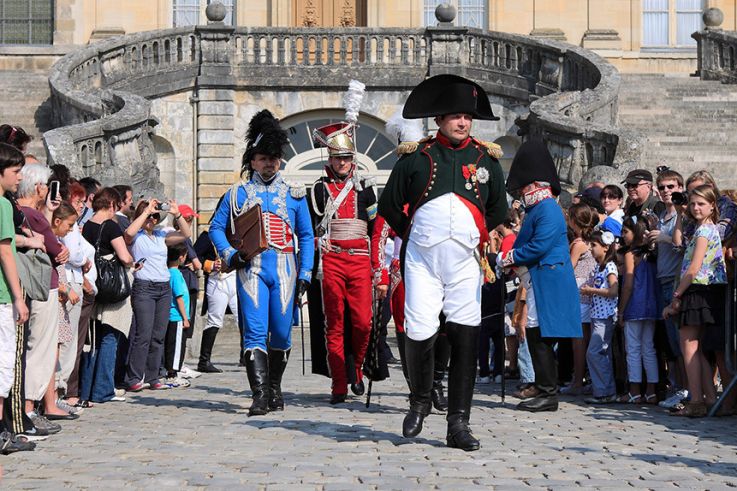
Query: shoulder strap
point(99, 236)
point(333, 204)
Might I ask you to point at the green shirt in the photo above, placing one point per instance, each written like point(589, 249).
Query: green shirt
point(7, 232)
point(434, 169)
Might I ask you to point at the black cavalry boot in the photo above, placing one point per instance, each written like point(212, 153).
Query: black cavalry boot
point(208, 341)
point(257, 368)
point(442, 353)
point(420, 362)
point(463, 341)
point(401, 339)
point(277, 364)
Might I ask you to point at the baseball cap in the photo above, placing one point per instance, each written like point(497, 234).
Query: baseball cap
point(187, 211)
point(637, 175)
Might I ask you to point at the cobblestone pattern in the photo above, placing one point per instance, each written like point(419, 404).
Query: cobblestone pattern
point(201, 437)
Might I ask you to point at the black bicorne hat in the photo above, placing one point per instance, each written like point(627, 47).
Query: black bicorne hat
point(448, 94)
point(533, 162)
point(264, 136)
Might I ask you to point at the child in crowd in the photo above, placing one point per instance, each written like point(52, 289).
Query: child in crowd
point(12, 306)
point(637, 308)
point(699, 297)
point(581, 222)
point(603, 309)
point(178, 317)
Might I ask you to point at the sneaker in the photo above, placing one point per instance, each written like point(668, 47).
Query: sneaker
point(33, 437)
point(498, 379)
point(172, 382)
point(483, 380)
point(34, 433)
point(119, 392)
point(65, 406)
point(187, 372)
point(136, 387)
point(117, 399)
point(677, 397)
point(42, 423)
point(158, 386)
point(601, 399)
point(10, 443)
point(183, 382)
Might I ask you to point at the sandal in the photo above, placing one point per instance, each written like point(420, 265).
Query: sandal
point(651, 399)
point(692, 410)
point(630, 399)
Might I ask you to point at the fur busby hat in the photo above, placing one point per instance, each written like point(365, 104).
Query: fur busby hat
point(264, 136)
point(533, 162)
point(448, 94)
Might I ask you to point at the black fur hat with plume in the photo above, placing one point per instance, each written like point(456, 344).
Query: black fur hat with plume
point(264, 136)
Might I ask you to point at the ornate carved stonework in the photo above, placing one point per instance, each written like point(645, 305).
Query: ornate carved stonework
point(348, 15)
point(309, 19)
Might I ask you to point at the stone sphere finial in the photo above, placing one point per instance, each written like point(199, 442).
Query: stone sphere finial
point(713, 18)
point(445, 13)
point(216, 12)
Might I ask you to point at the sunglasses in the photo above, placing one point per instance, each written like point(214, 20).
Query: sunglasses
point(633, 186)
point(668, 186)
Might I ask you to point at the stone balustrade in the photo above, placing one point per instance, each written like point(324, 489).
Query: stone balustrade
point(717, 52)
point(101, 93)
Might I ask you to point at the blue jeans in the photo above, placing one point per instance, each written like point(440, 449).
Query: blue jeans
point(524, 363)
point(599, 357)
point(97, 368)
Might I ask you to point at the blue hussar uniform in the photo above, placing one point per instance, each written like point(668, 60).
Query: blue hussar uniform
point(266, 287)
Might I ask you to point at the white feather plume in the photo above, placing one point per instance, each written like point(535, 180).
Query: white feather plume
point(352, 100)
point(404, 130)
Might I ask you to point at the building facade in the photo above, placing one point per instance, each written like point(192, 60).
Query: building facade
point(642, 36)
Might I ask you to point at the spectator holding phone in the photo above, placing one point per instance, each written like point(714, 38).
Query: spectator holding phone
point(151, 292)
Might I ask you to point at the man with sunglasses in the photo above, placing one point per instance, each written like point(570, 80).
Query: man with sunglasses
point(639, 186)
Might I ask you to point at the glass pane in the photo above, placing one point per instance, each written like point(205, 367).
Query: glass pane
point(688, 23)
point(26, 21)
point(689, 5)
point(186, 12)
point(655, 5)
point(655, 29)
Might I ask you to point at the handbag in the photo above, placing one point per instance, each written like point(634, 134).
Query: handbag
point(112, 282)
point(34, 272)
point(247, 234)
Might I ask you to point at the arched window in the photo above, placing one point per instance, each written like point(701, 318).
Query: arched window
point(375, 152)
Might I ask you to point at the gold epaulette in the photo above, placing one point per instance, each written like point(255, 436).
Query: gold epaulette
point(493, 149)
point(409, 147)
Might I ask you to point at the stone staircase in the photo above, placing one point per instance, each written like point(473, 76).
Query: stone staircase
point(24, 102)
point(688, 124)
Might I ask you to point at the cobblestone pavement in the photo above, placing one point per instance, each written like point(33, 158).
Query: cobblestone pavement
point(201, 437)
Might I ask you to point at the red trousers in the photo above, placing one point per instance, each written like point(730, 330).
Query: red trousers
point(346, 280)
point(397, 306)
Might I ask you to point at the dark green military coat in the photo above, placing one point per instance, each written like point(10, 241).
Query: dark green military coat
point(435, 168)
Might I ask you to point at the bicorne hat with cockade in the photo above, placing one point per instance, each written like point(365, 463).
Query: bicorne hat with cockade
point(533, 162)
point(448, 94)
point(264, 136)
point(337, 138)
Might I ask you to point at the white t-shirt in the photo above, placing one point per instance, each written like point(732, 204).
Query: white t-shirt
point(603, 307)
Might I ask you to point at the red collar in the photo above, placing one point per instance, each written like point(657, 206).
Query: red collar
point(443, 140)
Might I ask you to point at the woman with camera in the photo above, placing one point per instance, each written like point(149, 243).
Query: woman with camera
point(151, 293)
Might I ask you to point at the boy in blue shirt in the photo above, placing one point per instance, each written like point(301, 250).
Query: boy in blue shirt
point(178, 317)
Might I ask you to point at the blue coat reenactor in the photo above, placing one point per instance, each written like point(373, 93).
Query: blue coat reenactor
point(271, 282)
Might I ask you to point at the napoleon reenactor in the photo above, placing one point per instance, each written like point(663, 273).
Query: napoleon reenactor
point(268, 283)
point(454, 188)
point(344, 209)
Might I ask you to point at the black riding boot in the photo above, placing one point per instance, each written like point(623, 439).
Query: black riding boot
point(277, 365)
point(442, 352)
point(208, 340)
point(420, 362)
point(463, 341)
point(257, 368)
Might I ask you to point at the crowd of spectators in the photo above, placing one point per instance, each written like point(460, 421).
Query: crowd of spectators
point(654, 269)
point(67, 340)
